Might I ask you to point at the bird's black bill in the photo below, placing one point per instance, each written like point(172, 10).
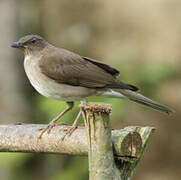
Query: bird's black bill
point(16, 45)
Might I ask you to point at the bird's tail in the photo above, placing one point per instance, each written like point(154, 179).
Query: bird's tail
point(139, 98)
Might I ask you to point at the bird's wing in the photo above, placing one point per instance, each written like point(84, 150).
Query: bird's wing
point(106, 67)
point(69, 68)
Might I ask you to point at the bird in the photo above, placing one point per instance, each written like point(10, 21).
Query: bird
point(63, 75)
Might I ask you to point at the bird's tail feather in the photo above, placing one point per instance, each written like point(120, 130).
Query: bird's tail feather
point(139, 98)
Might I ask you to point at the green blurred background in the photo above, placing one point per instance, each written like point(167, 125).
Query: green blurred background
point(140, 38)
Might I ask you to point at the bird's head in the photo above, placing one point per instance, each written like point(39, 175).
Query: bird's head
point(30, 43)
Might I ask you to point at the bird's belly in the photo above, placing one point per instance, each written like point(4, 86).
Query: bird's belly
point(61, 91)
point(51, 89)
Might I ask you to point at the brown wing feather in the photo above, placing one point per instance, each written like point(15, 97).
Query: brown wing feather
point(66, 67)
point(69, 68)
point(106, 67)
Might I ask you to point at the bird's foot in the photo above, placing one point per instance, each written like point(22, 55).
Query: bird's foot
point(47, 129)
point(69, 131)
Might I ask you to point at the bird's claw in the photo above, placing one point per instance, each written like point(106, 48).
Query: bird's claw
point(47, 129)
point(69, 131)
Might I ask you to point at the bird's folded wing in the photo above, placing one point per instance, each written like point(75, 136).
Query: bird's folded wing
point(106, 67)
point(69, 68)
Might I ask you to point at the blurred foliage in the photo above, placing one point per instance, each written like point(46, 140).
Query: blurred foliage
point(72, 170)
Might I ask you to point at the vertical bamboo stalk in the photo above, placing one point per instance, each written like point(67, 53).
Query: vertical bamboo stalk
point(101, 159)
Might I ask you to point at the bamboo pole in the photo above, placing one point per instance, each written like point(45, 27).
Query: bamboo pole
point(100, 151)
point(103, 165)
point(24, 138)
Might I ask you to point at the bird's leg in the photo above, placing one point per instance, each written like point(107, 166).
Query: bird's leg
point(70, 130)
point(53, 122)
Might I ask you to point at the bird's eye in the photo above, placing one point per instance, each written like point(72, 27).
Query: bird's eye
point(33, 40)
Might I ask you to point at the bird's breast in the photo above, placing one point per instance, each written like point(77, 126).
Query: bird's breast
point(50, 88)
